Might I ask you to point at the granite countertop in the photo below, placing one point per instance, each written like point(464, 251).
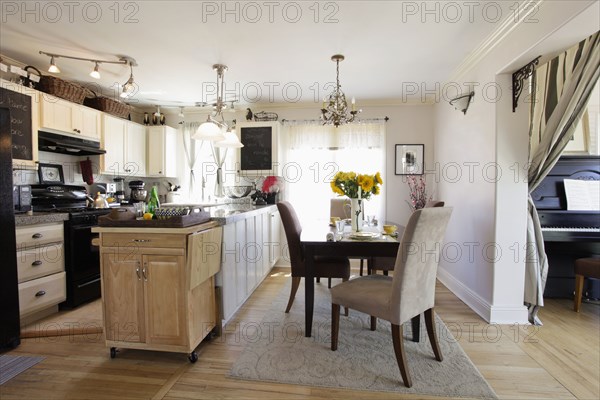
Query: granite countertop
point(40, 218)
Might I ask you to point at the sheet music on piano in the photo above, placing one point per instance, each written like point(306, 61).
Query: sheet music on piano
point(582, 195)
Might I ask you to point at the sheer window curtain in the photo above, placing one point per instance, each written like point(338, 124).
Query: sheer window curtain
point(313, 155)
point(562, 88)
point(191, 148)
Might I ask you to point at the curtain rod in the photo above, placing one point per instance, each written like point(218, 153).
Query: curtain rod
point(285, 121)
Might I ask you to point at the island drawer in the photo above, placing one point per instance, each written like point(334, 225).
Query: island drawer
point(132, 240)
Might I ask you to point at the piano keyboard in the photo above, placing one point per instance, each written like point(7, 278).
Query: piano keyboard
point(565, 229)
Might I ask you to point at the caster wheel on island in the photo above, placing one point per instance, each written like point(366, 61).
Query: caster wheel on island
point(193, 357)
point(113, 352)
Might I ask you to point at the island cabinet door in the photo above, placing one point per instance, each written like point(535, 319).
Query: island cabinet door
point(164, 294)
point(123, 297)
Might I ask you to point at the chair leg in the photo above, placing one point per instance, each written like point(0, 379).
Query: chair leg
point(318, 279)
point(373, 323)
point(579, 279)
point(385, 272)
point(362, 264)
point(435, 345)
point(416, 327)
point(335, 325)
point(346, 309)
point(295, 284)
point(400, 357)
point(328, 283)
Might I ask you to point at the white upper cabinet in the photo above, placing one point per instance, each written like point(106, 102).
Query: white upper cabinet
point(125, 145)
point(162, 151)
point(70, 117)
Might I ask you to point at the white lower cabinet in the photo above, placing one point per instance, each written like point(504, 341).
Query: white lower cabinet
point(41, 269)
point(250, 249)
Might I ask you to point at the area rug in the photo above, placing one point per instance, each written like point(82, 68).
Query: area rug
point(277, 351)
point(11, 366)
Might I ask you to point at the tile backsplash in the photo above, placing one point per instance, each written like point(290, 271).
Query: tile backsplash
point(72, 174)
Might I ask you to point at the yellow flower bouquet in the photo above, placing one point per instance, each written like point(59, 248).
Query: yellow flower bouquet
point(356, 186)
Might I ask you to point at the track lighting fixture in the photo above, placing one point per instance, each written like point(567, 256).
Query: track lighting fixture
point(128, 87)
point(53, 68)
point(95, 73)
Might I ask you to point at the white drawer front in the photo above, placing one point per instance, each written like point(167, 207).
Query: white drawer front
point(37, 294)
point(38, 235)
point(40, 261)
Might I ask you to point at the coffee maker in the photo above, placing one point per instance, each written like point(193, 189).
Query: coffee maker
point(138, 193)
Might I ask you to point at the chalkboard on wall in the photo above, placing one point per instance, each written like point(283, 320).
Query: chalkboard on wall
point(19, 106)
point(257, 153)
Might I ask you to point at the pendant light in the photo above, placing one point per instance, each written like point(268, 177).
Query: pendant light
point(53, 68)
point(95, 73)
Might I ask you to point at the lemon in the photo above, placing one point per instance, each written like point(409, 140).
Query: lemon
point(147, 216)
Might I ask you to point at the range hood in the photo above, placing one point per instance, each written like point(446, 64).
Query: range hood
point(59, 142)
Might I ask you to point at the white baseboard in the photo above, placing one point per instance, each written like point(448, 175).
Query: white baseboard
point(469, 297)
point(491, 313)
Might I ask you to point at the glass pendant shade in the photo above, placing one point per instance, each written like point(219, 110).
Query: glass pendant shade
point(209, 131)
point(231, 141)
point(53, 68)
point(95, 73)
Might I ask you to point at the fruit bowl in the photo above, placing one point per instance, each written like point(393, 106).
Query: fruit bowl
point(237, 192)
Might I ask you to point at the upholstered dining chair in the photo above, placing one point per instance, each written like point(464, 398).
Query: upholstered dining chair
point(406, 294)
point(386, 264)
point(325, 266)
point(340, 208)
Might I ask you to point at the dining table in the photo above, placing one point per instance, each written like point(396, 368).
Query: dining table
point(316, 240)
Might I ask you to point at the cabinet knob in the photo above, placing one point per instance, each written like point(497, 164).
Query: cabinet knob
point(37, 236)
point(36, 263)
point(40, 293)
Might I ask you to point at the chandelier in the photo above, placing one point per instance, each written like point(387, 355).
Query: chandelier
point(335, 108)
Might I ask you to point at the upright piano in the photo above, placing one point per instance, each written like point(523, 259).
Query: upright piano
point(568, 234)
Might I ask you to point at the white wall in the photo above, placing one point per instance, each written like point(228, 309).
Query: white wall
point(489, 209)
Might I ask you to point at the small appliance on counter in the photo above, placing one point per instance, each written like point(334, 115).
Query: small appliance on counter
point(138, 193)
point(22, 198)
point(119, 189)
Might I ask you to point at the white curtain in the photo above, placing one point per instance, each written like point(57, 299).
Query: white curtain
point(192, 176)
point(315, 153)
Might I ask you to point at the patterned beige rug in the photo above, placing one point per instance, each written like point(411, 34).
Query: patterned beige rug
point(11, 366)
point(277, 351)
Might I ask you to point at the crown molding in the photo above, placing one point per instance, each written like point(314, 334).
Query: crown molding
point(494, 39)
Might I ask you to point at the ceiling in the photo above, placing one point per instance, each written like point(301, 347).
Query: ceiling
point(279, 54)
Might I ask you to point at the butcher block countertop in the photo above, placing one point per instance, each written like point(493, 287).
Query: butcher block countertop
point(142, 229)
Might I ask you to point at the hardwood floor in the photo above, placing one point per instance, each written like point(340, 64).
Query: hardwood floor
point(559, 360)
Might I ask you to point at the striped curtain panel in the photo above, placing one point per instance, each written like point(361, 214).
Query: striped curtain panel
point(561, 90)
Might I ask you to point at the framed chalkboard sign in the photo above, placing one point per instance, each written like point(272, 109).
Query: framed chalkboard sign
point(259, 154)
point(19, 106)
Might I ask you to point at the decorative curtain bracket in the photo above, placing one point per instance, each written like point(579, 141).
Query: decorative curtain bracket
point(518, 77)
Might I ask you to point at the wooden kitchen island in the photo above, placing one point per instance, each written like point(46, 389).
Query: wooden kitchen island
point(158, 289)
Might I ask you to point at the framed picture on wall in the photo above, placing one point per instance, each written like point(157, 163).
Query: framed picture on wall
point(410, 159)
point(50, 173)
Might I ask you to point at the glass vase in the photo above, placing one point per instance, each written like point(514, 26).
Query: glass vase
point(356, 214)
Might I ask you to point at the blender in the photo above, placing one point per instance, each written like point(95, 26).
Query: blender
point(119, 189)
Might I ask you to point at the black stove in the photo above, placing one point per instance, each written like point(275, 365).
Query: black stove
point(82, 260)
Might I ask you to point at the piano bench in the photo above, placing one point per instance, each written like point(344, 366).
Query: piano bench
point(584, 267)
